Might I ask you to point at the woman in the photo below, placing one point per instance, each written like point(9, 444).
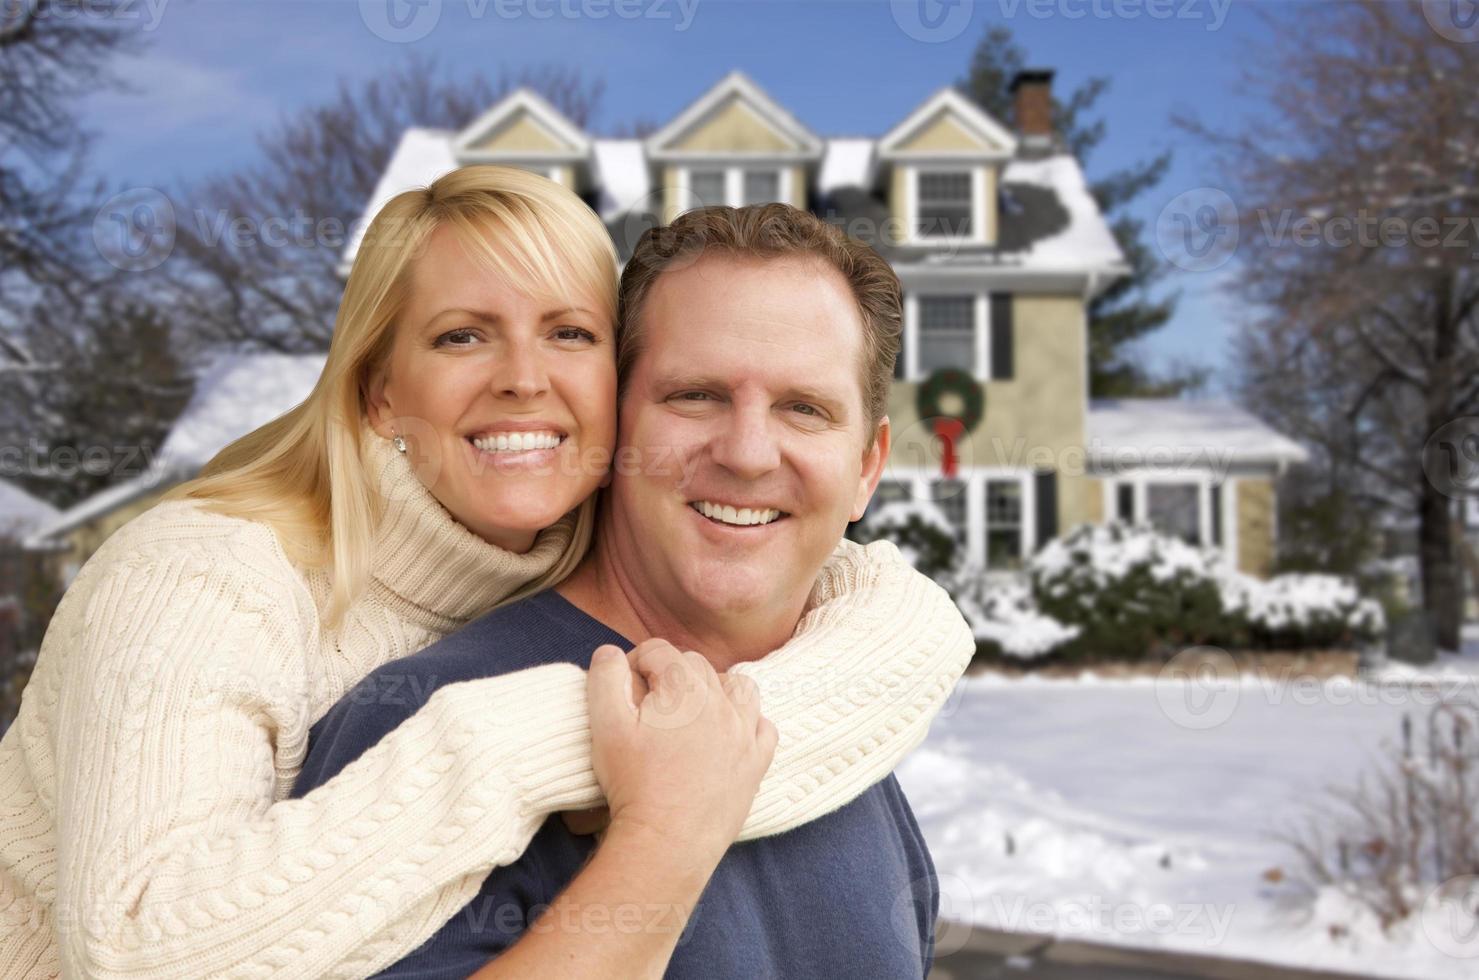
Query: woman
point(146, 831)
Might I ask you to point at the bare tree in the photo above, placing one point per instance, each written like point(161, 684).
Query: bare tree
point(1356, 190)
point(257, 251)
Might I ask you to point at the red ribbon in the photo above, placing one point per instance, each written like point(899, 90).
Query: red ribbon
point(947, 431)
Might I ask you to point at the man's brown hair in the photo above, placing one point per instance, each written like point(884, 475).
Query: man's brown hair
point(769, 231)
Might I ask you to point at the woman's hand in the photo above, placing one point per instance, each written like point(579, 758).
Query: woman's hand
point(684, 758)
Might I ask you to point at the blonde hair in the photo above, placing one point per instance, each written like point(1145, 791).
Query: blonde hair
point(303, 473)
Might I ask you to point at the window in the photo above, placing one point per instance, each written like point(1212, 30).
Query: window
point(947, 333)
point(705, 188)
point(762, 186)
point(943, 205)
point(1175, 509)
point(1124, 502)
point(1004, 524)
point(951, 497)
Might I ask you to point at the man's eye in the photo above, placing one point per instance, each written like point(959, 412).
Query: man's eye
point(694, 396)
point(806, 409)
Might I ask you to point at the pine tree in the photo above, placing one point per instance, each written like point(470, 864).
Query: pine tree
point(1124, 312)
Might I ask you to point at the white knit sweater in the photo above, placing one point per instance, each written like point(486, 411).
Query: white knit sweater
point(144, 824)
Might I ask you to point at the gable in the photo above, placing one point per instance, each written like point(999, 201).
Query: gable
point(522, 133)
point(732, 126)
point(945, 133)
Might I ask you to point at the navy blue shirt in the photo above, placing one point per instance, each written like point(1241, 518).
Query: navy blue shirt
point(851, 894)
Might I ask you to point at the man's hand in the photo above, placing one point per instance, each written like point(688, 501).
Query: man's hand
point(682, 758)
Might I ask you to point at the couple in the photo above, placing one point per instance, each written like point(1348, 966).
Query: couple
point(275, 729)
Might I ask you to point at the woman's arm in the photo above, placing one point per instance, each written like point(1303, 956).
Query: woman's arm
point(175, 860)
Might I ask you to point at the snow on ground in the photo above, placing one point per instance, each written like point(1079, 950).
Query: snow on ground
point(1141, 811)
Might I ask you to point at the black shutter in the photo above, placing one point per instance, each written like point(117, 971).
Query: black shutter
point(1047, 506)
point(1001, 337)
point(1217, 514)
point(1124, 503)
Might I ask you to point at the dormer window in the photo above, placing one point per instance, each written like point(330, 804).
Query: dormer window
point(736, 186)
point(944, 205)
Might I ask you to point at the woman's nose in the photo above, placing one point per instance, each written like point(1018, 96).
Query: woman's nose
point(521, 374)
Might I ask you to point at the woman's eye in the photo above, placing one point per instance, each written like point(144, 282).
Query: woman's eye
point(446, 339)
point(575, 333)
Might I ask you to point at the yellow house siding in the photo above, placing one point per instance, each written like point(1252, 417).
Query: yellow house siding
point(671, 202)
point(798, 187)
point(943, 133)
point(565, 175)
point(1033, 421)
point(521, 135)
point(898, 199)
point(1255, 526)
point(734, 127)
point(1093, 505)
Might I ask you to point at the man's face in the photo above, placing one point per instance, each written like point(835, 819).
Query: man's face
point(745, 405)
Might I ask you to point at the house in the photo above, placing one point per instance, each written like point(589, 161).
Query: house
point(999, 246)
point(237, 393)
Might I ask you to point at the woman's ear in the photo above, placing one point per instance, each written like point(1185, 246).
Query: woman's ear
point(377, 404)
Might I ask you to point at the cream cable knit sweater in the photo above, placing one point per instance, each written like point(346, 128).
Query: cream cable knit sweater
point(144, 829)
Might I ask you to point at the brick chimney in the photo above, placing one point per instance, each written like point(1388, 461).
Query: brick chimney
point(1032, 90)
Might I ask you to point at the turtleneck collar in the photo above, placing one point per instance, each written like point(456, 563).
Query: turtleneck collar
point(431, 567)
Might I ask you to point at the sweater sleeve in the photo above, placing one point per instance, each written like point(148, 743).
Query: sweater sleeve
point(173, 858)
point(177, 856)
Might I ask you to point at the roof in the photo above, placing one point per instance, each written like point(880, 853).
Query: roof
point(239, 392)
point(20, 512)
point(1173, 432)
point(1050, 223)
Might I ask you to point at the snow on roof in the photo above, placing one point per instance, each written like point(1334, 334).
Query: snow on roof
point(1087, 241)
point(845, 164)
point(1173, 431)
point(421, 157)
point(20, 512)
point(238, 393)
point(621, 173)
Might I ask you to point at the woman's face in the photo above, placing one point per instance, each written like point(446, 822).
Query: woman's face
point(506, 402)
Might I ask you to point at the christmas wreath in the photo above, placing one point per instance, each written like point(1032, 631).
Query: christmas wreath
point(951, 393)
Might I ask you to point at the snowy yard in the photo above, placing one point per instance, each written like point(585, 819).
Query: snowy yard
point(1140, 811)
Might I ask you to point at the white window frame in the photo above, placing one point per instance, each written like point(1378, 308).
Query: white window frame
point(981, 370)
point(1204, 481)
point(918, 481)
point(734, 182)
point(978, 235)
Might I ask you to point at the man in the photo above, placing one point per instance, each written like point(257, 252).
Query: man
point(757, 352)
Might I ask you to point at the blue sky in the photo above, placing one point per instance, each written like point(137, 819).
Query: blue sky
point(214, 74)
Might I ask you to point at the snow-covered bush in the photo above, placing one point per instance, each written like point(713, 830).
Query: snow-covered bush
point(1136, 592)
point(1004, 616)
point(923, 535)
point(1130, 590)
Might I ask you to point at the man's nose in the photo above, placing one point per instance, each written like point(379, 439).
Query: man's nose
point(521, 373)
point(747, 445)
